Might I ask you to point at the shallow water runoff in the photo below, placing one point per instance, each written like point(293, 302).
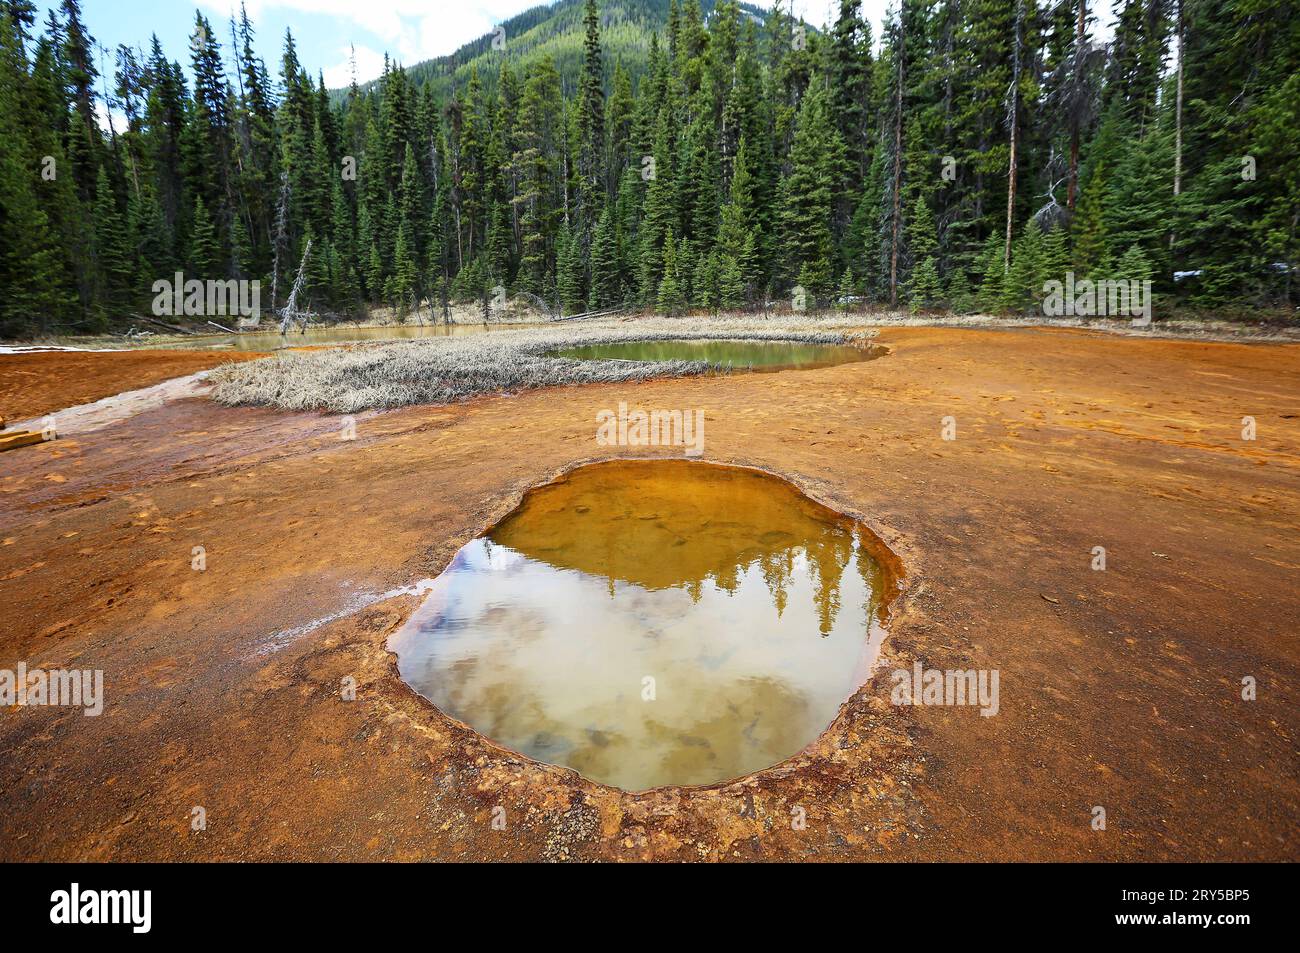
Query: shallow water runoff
point(652, 623)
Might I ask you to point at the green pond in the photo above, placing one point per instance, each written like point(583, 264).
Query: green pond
point(653, 623)
point(739, 355)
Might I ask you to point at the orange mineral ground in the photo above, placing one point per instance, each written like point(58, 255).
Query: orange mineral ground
point(1119, 688)
point(41, 382)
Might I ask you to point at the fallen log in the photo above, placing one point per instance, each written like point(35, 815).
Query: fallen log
point(12, 440)
point(591, 314)
point(163, 324)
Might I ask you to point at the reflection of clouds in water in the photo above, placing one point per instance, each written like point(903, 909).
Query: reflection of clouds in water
point(491, 557)
point(753, 649)
point(544, 661)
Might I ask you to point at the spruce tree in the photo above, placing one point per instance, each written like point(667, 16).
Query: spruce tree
point(1023, 288)
point(112, 250)
point(1088, 232)
point(850, 81)
point(404, 284)
point(1056, 255)
point(671, 298)
point(924, 290)
point(593, 186)
point(808, 193)
point(733, 291)
point(204, 255)
point(704, 282)
point(568, 272)
point(659, 218)
point(960, 296)
point(30, 264)
point(993, 276)
point(739, 221)
point(606, 280)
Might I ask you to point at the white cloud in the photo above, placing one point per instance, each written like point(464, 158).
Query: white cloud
point(410, 30)
point(370, 64)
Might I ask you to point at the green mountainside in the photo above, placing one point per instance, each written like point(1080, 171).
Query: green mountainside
point(556, 30)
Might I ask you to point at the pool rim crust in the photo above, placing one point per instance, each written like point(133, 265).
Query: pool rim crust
point(895, 589)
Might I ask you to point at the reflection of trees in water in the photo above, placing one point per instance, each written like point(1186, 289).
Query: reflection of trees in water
point(727, 576)
point(873, 575)
point(778, 571)
point(695, 589)
point(678, 525)
point(555, 669)
point(828, 554)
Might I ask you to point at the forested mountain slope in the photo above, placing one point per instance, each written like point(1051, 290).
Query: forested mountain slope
point(987, 147)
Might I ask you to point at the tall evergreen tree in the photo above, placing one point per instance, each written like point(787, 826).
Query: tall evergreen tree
point(808, 193)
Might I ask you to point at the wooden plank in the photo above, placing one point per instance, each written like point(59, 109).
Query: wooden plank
point(19, 438)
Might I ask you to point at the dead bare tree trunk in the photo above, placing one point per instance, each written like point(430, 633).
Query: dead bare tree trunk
point(1013, 120)
point(281, 236)
point(291, 312)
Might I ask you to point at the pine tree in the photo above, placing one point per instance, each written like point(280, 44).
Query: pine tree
point(704, 282)
point(1023, 288)
point(738, 223)
point(733, 290)
point(606, 279)
point(847, 290)
point(1088, 231)
point(204, 255)
point(961, 298)
point(808, 193)
point(29, 261)
point(671, 299)
point(593, 186)
point(112, 250)
point(993, 275)
point(568, 272)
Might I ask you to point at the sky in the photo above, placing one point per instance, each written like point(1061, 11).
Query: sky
point(326, 30)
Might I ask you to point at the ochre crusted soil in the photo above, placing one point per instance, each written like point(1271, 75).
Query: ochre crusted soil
point(41, 382)
point(1119, 689)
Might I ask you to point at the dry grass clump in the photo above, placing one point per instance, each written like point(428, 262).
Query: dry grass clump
point(440, 370)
